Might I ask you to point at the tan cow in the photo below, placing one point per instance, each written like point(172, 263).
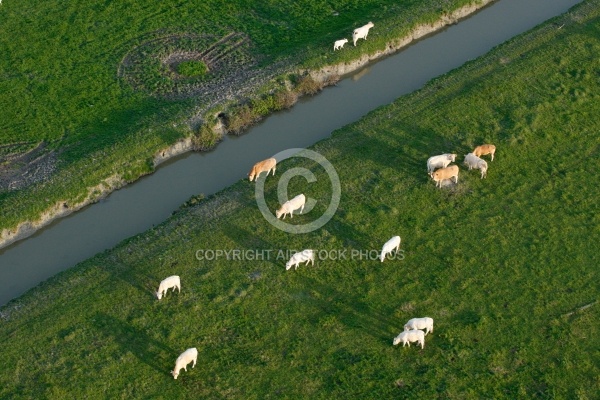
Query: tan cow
point(445, 173)
point(485, 149)
point(262, 166)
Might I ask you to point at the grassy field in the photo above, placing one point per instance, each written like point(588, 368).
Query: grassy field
point(92, 80)
point(506, 265)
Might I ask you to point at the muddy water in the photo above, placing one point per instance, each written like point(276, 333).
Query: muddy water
point(151, 200)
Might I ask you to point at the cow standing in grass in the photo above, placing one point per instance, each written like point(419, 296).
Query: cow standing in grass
point(339, 44)
point(472, 161)
point(445, 173)
point(297, 203)
point(485, 149)
point(188, 356)
point(362, 32)
point(441, 161)
point(265, 165)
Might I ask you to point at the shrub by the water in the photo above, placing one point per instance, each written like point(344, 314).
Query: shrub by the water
point(308, 85)
point(284, 99)
point(206, 138)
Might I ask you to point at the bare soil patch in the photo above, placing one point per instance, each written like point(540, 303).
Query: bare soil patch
point(23, 164)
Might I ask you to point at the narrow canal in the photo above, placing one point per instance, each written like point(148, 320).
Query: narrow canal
point(152, 199)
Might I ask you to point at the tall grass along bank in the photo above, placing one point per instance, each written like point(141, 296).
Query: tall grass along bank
point(506, 266)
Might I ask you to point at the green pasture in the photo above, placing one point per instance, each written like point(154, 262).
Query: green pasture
point(66, 78)
point(506, 266)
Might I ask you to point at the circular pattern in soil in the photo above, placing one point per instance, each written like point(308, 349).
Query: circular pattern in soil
point(183, 65)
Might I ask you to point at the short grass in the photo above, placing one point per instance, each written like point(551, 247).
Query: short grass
point(60, 85)
point(503, 264)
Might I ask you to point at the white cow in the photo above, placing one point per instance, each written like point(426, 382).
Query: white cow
point(472, 161)
point(168, 283)
point(420, 323)
point(440, 161)
point(291, 205)
point(188, 356)
point(362, 32)
point(445, 173)
point(389, 246)
point(410, 336)
point(305, 255)
point(339, 44)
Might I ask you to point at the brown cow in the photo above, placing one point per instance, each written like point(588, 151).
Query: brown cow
point(485, 149)
point(265, 165)
point(445, 173)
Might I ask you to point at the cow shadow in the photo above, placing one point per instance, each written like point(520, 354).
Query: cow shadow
point(351, 311)
point(140, 280)
point(150, 351)
point(411, 155)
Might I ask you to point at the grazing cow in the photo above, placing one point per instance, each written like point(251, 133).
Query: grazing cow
point(362, 32)
point(168, 283)
point(445, 173)
point(292, 205)
point(472, 161)
point(440, 161)
point(339, 44)
point(410, 336)
point(485, 149)
point(188, 356)
point(305, 255)
point(420, 323)
point(261, 166)
point(389, 246)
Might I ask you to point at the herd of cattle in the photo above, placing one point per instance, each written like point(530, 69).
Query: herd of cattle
point(472, 160)
point(439, 169)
